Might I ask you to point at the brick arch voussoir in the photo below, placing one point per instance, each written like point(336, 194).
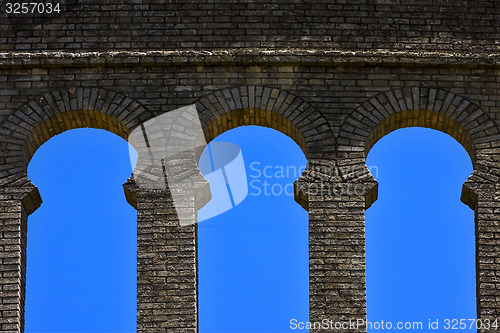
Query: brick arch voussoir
point(268, 107)
point(55, 112)
point(421, 107)
point(408, 107)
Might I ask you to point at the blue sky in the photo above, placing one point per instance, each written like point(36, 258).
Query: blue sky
point(253, 259)
point(420, 250)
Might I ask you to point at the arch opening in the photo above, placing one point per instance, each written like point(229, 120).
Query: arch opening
point(83, 235)
point(420, 242)
point(253, 258)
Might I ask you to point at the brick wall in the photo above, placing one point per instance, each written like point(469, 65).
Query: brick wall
point(340, 24)
point(334, 76)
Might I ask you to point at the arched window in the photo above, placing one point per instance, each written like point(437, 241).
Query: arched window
point(253, 258)
point(81, 253)
point(420, 258)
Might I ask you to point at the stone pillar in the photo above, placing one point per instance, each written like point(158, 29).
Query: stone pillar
point(166, 265)
point(481, 192)
point(15, 205)
point(13, 224)
point(487, 219)
point(337, 284)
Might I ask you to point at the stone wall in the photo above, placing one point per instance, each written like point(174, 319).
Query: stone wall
point(335, 77)
point(340, 24)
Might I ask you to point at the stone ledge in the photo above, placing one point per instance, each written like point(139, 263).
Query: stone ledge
point(245, 57)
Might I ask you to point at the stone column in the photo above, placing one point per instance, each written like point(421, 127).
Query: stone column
point(16, 203)
point(481, 192)
point(487, 219)
point(337, 285)
point(166, 265)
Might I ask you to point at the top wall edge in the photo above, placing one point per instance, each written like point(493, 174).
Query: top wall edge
point(248, 57)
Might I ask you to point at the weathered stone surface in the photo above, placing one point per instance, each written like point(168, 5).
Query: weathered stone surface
point(335, 76)
point(348, 25)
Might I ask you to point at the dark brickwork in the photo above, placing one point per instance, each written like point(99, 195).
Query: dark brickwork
point(340, 24)
point(335, 76)
point(166, 266)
